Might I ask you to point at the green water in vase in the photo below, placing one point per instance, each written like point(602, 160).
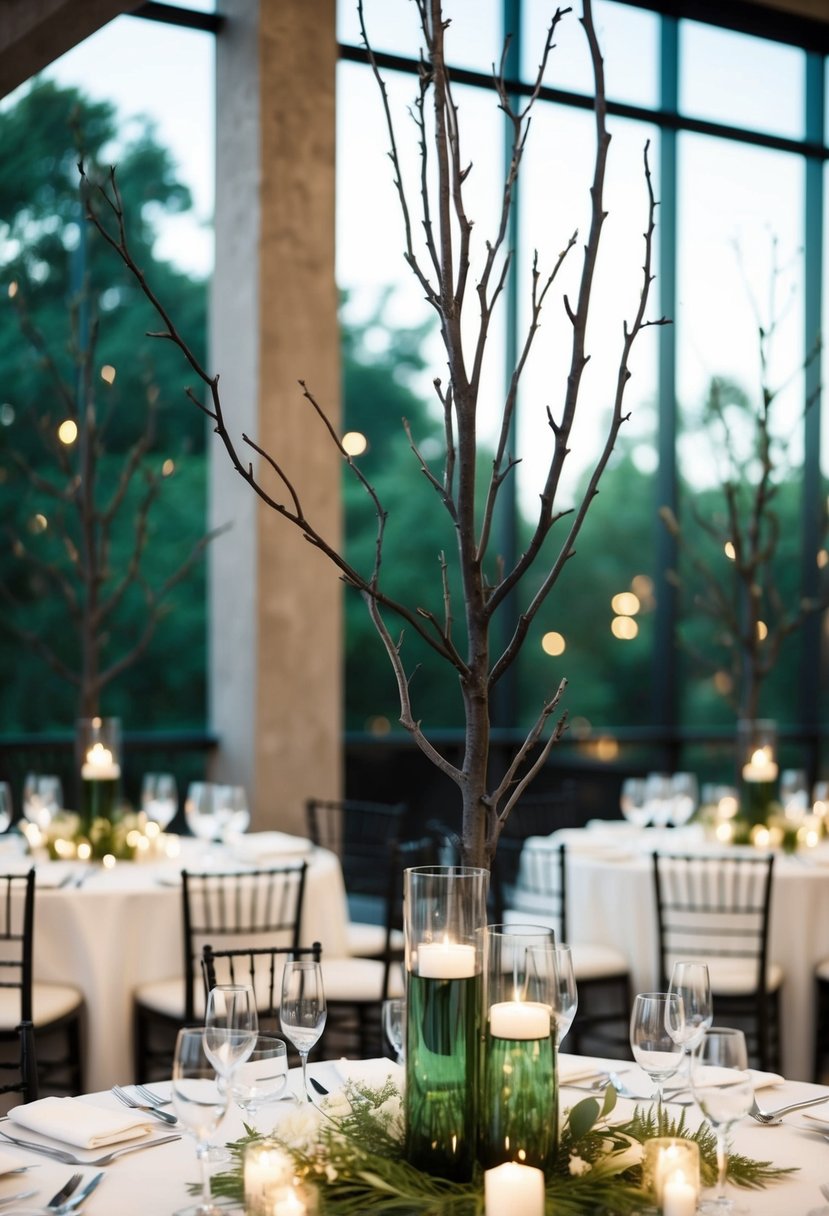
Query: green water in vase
point(442, 1060)
point(519, 1102)
point(99, 800)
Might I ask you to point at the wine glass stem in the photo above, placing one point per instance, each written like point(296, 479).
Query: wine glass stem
point(203, 1154)
point(722, 1163)
point(303, 1057)
point(659, 1086)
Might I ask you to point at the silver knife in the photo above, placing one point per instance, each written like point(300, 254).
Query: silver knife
point(77, 1199)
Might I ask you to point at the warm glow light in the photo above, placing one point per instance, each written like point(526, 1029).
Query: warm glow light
point(168, 468)
point(723, 682)
point(108, 861)
point(553, 643)
point(606, 749)
point(84, 850)
point(108, 373)
point(68, 431)
point(624, 627)
point(730, 551)
point(625, 603)
point(762, 630)
point(642, 586)
point(38, 523)
point(822, 558)
point(12, 289)
point(724, 832)
point(354, 443)
point(378, 725)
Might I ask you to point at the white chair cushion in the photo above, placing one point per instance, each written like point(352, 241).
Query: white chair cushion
point(736, 977)
point(358, 979)
point(593, 962)
point(49, 1002)
point(369, 941)
point(822, 970)
point(167, 997)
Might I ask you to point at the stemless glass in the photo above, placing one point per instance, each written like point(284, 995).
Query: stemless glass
point(394, 1026)
point(200, 1103)
point(231, 1026)
point(721, 1083)
point(159, 798)
point(656, 1023)
point(261, 1078)
point(302, 1011)
point(692, 982)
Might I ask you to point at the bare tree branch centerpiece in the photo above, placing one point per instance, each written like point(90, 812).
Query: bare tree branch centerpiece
point(461, 635)
point(734, 545)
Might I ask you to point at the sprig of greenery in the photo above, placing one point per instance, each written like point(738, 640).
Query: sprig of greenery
point(358, 1164)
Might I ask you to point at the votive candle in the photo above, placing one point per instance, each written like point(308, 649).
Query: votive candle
point(514, 1188)
point(519, 1020)
point(446, 960)
point(679, 1195)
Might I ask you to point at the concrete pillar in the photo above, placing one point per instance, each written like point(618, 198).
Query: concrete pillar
point(275, 601)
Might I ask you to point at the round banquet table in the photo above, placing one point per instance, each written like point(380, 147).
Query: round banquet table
point(155, 1181)
point(611, 901)
point(122, 927)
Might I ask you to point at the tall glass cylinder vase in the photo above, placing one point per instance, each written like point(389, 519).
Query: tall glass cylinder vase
point(98, 742)
point(444, 910)
point(519, 1092)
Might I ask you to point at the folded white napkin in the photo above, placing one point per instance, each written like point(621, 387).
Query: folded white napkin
point(575, 1068)
point(269, 846)
point(765, 1080)
point(79, 1123)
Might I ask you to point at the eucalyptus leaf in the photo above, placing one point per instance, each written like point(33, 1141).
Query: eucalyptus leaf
point(583, 1117)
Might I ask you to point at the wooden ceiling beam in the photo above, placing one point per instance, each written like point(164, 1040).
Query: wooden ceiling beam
point(33, 33)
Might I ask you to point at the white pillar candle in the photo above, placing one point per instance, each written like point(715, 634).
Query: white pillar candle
point(445, 961)
point(99, 765)
point(514, 1188)
point(761, 766)
point(519, 1020)
point(679, 1195)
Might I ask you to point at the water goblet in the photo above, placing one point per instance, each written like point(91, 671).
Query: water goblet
point(261, 1078)
point(394, 1026)
point(302, 1011)
point(200, 1104)
point(692, 982)
point(656, 1024)
point(159, 798)
point(721, 1083)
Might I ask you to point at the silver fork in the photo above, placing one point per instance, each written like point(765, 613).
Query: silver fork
point(58, 1154)
point(149, 1095)
point(147, 1107)
point(775, 1116)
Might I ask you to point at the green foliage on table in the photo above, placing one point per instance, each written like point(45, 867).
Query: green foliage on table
point(356, 1161)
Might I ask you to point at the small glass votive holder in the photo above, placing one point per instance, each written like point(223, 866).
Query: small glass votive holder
point(670, 1174)
point(269, 1174)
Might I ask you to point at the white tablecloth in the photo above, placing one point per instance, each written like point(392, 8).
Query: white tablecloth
point(122, 928)
point(610, 900)
point(154, 1182)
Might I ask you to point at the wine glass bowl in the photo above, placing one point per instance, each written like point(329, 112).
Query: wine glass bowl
point(231, 1027)
point(42, 798)
point(394, 1026)
point(722, 1086)
point(656, 1026)
point(633, 802)
point(303, 1010)
point(262, 1077)
point(159, 798)
point(692, 982)
point(200, 1103)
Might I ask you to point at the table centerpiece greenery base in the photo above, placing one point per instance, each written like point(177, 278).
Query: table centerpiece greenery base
point(351, 1149)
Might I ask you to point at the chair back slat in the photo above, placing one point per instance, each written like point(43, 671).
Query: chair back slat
point(243, 909)
point(539, 890)
point(361, 834)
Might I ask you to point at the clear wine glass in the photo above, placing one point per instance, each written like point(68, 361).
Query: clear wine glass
point(230, 804)
point(684, 798)
point(394, 1026)
point(5, 805)
point(159, 798)
point(565, 995)
point(656, 1024)
point(721, 1083)
point(199, 815)
point(262, 1077)
point(200, 1103)
point(42, 798)
point(692, 982)
point(633, 801)
point(231, 1027)
point(303, 1011)
point(658, 798)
